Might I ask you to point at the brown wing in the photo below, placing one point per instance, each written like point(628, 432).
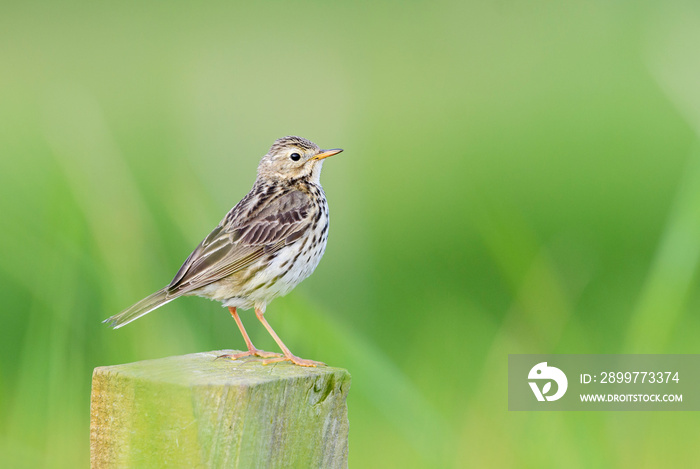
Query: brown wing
point(244, 237)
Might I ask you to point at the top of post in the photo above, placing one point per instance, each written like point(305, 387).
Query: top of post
point(205, 369)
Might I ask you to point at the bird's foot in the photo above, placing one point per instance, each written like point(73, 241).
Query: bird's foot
point(294, 359)
point(250, 353)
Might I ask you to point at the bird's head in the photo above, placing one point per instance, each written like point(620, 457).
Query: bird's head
point(294, 158)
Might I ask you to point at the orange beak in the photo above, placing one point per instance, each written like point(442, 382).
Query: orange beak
point(327, 153)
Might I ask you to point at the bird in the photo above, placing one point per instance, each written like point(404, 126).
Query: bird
point(264, 247)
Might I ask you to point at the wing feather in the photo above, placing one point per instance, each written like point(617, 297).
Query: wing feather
point(241, 239)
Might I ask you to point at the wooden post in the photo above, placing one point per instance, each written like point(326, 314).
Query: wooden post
point(197, 411)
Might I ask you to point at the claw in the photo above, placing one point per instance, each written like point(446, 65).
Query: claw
point(294, 359)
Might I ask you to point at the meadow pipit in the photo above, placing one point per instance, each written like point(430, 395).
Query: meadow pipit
point(265, 246)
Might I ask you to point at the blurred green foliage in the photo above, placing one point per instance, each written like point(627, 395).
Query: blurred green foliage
point(517, 177)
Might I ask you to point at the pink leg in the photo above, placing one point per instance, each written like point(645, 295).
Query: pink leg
point(251, 348)
point(288, 356)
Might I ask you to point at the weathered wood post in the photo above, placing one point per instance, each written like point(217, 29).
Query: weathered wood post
point(196, 411)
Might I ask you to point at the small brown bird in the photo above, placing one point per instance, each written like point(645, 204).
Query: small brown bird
point(265, 246)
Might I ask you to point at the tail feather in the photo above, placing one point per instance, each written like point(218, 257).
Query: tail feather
point(143, 307)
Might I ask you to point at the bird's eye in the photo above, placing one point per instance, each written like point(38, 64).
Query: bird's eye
point(295, 156)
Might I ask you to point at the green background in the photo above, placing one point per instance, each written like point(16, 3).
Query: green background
point(518, 177)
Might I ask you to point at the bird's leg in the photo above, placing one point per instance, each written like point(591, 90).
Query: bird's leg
point(288, 356)
point(251, 348)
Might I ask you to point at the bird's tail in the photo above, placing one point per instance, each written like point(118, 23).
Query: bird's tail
point(143, 307)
